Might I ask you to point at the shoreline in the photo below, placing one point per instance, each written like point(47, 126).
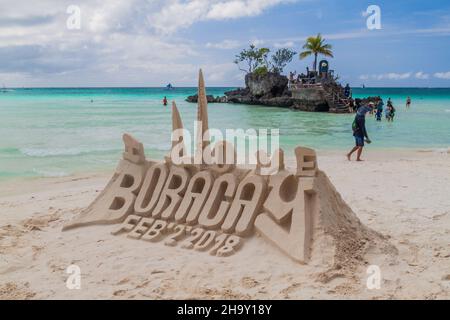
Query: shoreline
point(374, 153)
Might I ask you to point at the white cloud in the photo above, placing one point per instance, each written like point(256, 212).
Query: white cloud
point(118, 43)
point(394, 76)
point(240, 8)
point(225, 44)
point(287, 44)
point(220, 73)
point(422, 76)
point(258, 42)
point(386, 76)
point(177, 14)
point(442, 75)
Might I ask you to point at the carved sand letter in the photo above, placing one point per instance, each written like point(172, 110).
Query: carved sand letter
point(134, 150)
point(172, 193)
point(141, 228)
point(306, 162)
point(116, 202)
point(156, 231)
point(248, 200)
point(151, 189)
point(219, 201)
point(127, 225)
point(286, 202)
point(194, 198)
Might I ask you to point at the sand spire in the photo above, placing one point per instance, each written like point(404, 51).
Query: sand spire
point(177, 124)
point(202, 119)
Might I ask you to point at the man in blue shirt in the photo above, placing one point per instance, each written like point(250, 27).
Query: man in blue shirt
point(359, 132)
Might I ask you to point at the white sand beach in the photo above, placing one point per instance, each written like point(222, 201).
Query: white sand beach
point(403, 195)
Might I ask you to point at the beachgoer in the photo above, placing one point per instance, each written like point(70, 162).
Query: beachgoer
point(391, 113)
point(291, 77)
point(360, 133)
point(388, 109)
point(165, 101)
point(351, 105)
point(357, 104)
point(347, 91)
point(389, 102)
point(379, 112)
point(371, 105)
point(408, 102)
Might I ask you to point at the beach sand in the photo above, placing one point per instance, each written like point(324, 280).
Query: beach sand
point(403, 195)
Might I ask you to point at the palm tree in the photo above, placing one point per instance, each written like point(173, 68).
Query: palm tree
point(316, 45)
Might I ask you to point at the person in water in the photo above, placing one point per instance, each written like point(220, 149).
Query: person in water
point(351, 105)
point(391, 113)
point(379, 112)
point(388, 109)
point(408, 102)
point(165, 101)
point(347, 91)
point(360, 133)
point(357, 104)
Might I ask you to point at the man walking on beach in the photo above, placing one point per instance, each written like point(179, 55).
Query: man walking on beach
point(359, 132)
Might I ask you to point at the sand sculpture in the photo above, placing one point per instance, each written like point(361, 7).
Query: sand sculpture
point(215, 207)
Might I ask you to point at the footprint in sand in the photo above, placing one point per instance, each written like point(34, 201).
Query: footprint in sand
point(248, 282)
point(290, 289)
point(119, 293)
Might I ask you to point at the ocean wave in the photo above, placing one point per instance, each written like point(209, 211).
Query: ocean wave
point(436, 150)
point(50, 174)
point(42, 152)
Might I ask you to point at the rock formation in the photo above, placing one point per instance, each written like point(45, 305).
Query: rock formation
point(271, 89)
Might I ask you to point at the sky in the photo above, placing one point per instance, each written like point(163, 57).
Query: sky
point(153, 42)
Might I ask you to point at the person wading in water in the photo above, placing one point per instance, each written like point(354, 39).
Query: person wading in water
point(359, 132)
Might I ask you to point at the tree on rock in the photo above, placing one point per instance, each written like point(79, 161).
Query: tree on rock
point(254, 58)
point(315, 46)
point(281, 58)
point(257, 60)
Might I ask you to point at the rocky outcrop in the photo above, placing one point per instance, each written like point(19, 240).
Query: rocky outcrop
point(311, 105)
point(268, 86)
point(271, 89)
point(210, 98)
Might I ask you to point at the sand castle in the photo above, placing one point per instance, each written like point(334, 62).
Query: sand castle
point(214, 208)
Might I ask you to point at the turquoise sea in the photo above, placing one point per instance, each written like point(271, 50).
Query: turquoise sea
point(57, 132)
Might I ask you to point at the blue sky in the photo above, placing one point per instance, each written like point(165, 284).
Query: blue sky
point(153, 42)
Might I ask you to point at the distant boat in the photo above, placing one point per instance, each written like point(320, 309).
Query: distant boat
point(169, 87)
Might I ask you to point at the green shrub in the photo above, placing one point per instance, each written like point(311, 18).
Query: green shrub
point(261, 71)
